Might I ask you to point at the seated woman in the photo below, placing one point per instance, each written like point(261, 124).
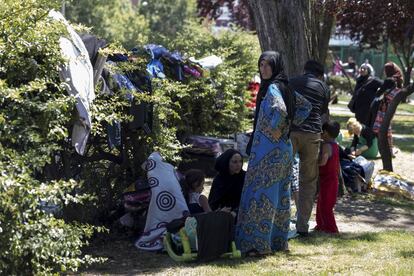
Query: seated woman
point(365, 142)
point(228, 184)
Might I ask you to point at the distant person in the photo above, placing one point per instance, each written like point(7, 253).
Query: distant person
point(366, 63)
point(364, 93)
point(306, 138)
point(328, 179)
point(351, 68)
point(364, 143)
point(264, 212)
point(228, 184)
point(391, 87)
point(337, 69)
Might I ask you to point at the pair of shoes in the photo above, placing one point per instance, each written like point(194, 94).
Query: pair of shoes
point(303, 234)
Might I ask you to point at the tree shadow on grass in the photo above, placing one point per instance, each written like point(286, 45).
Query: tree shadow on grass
point(376, 213)
point(406, 253)
point(342, 239)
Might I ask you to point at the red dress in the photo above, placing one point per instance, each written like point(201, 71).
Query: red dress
point(328, 190)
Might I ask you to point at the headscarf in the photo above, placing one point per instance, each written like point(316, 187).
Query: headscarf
point(279, 78)
point(226, 189)
point(367, 67)
point(362, 80)
point(223, 161)
point(393, 71)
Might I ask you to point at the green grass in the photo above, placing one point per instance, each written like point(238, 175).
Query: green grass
point(389, 200)
point(383, 253)
point(403, 107)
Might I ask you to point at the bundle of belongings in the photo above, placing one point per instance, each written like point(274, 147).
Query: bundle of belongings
point(135, 201)
point(356, 173)
point(202, 152)
point(203, 237)
point(393, 183)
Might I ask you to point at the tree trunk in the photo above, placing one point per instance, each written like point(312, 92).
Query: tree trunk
point(325, 31)
point(294, 29)
point(384, 147)
point(281, 26)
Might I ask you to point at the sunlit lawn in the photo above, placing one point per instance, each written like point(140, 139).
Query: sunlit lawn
point(383, 253)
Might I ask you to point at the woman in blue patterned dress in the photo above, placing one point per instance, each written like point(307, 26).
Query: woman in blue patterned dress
point(264, 212)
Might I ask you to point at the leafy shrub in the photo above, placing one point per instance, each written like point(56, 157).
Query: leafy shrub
point(34, 115)
point(341, 85)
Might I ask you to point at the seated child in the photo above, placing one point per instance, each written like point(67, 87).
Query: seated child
point(328, 179)
point(193, 186)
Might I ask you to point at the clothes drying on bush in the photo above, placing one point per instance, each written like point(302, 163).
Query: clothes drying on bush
point(77, 74)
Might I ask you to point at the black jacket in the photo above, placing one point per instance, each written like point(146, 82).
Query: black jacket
point(318, 94)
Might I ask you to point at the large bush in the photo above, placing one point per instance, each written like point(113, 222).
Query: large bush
point(38, 164)
point(34, 115)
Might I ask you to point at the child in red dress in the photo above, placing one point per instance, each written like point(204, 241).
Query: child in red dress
point(328, 179)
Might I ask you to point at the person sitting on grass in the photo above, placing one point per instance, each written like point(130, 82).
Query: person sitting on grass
point(193, 186)
point(227, 186)
point(328, 179)
point(364, 143)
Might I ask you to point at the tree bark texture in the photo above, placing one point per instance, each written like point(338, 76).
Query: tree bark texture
point(280, 26)
point(294, 29)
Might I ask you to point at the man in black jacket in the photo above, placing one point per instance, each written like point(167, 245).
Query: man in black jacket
point(306, 138)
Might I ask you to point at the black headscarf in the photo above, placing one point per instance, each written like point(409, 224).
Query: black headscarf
point(223, 161)
point(226, 189)
point(280, 79)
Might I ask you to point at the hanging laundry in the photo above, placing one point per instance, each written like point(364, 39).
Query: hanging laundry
point(77, 73)
point(176, 62)
point(92, 45)
point(192, 71)
point(209, 62)
point(114, 134)
point(155, 67)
